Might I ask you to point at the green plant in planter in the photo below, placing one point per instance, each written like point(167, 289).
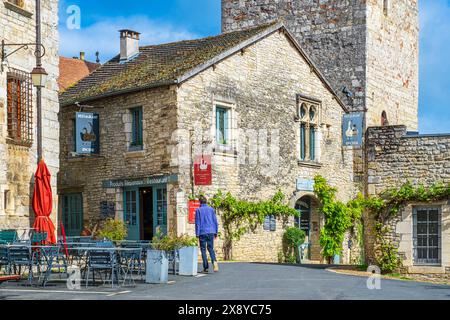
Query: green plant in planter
point(172, 242)
point(113, 230)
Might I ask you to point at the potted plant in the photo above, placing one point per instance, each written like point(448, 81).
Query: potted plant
point(188, 255)
point(113, 230)
point(157, 260)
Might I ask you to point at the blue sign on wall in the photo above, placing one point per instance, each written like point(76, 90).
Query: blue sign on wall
point(87, 133)
point(353, 129)
point(305, 185)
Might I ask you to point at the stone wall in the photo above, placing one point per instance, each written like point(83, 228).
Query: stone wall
point(85, 174)
point(17, 163)
point(354, 44)
point(393, 62)
point(260, 85)
point(394, 158)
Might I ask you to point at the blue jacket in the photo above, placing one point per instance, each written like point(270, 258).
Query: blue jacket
point(206, 221)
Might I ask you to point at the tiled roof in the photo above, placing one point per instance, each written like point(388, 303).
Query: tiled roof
point(73, 70)
point(155, 65)
point(174, 63)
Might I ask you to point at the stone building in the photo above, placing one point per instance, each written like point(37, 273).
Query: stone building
point(18, 148)
point(421, 231)
point(368, 49)
point(250, 99)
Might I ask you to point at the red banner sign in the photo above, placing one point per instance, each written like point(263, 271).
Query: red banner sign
point(202, 171)
point(193, 206)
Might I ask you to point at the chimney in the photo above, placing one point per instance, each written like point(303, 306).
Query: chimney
point(129, 44)
point(82, 55)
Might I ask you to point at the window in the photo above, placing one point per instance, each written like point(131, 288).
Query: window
point(19, 107)
point(136, 129)
point(270, 223)
point(222, 125)
point(386, 7)
point(308, 114)
point(19, 3)
point(384, 119)
point(427, 236)
point(72, 214)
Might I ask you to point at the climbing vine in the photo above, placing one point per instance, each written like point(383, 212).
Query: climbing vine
point(239, 216)
point(387, 206)
point(339, 217)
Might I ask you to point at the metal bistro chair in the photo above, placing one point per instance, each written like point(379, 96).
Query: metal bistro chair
point(174, 258)
point(21, 256)
point(131, 263)
point(4, 259)
point(38, 238)
point(102, 260)
point(53, 258)
point(8, 236)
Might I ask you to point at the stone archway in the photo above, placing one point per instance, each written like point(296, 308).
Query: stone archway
point(312, 222)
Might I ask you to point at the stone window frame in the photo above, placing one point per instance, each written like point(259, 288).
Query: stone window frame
point(128, 130)
point(230, 148)
point(18, 6)
point(309, 104)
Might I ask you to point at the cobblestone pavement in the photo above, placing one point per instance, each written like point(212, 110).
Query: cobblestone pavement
point(245, 281)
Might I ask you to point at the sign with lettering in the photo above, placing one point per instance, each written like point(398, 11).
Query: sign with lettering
point(203, 171)
point(353, 129)
point(128, 183)
point(193, 206)
point(87, 133)
point(305, 185)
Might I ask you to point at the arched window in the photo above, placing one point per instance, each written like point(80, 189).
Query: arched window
point(384, 119)
point(308, 114)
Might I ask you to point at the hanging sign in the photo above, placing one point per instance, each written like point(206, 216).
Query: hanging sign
point(353, 129)
point(202, 171)
point(87, 130)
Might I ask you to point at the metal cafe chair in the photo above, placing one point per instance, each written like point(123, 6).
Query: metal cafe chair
point(21, 256)
point(4, 259)
point(54, 258)
point(38, 238)
point(102, 260)
point(131, 263)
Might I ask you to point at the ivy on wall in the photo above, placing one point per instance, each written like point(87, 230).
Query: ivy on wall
point(239, 216)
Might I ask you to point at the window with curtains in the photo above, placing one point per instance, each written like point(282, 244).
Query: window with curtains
point(308, 116)
point(19, 107)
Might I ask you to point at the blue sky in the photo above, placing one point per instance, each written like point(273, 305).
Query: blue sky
point(171, 20)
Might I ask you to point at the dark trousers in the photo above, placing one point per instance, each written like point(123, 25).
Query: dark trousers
point(207, 240)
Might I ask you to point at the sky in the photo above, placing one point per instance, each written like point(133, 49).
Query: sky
point(162, 21)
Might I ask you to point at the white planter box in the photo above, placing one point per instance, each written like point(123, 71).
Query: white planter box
point(157, 267)
point(188, 264)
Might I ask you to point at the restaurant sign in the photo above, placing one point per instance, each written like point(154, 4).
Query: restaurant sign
point(353, 129)
point(129, 183)
point(87, 128)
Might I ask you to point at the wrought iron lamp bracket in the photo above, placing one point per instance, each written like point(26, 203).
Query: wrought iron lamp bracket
point(37, 53)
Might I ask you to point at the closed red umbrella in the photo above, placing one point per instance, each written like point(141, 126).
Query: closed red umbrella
point(43, 202)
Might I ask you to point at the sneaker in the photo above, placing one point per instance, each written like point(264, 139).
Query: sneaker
point(216, 266)
point(205, 271)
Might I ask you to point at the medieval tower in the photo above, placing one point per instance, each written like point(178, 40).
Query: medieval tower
point(368, 49)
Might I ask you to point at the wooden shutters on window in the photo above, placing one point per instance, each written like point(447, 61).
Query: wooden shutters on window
point(19, 107)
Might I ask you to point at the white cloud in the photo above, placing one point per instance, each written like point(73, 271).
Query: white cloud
point(103, 36)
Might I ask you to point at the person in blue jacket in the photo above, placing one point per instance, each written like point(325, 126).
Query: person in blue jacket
point(206, 230)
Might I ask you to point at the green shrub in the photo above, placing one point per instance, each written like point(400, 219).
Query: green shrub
point(113, 230)
point(294, 237)
point(172, 242)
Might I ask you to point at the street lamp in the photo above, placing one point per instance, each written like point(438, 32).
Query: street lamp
point(39, 77)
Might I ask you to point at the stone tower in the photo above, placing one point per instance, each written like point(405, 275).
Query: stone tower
point(369, 48)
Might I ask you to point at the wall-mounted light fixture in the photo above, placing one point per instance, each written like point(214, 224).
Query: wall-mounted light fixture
point(18, 47)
